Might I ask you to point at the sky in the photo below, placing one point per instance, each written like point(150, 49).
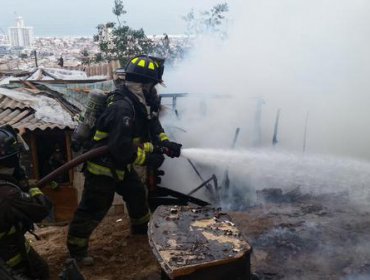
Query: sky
point(80, 17)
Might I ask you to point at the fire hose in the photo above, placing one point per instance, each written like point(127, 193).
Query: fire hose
point(72, 163)
point(101, 151)
point(154, 189)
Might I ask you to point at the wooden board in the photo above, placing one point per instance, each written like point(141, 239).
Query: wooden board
point(64, 200)
point(187, 239)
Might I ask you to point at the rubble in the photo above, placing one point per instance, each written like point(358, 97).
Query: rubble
point(309, 237)
point(288, 242)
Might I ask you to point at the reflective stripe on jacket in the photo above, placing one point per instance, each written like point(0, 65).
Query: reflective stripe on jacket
point(123, 126)
point(15, 256)
point(97, 169)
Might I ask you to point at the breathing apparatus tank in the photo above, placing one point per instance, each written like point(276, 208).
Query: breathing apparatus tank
point(83, 133)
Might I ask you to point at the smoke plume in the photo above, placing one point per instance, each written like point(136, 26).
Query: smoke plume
point(309, 59)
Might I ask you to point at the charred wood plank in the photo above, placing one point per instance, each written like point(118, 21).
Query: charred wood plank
point(198, 243)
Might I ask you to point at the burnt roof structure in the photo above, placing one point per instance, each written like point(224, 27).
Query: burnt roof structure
point(32, 110)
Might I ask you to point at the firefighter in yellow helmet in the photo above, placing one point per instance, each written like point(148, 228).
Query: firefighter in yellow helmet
point(129, 126)
point(20, 207)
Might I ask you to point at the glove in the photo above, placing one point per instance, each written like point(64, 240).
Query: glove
point(173, 148)
point(154, 160)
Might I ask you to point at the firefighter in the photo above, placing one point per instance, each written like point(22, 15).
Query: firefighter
point(129, 127)
point(20, 207)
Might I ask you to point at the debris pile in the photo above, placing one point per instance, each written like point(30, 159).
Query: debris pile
point(303, 236)
point(298, 236)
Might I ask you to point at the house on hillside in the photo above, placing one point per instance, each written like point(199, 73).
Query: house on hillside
point(46, 126)
point(54, 75)
point(44, 114)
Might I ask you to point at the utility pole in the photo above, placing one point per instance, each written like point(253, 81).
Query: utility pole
point(35, 53)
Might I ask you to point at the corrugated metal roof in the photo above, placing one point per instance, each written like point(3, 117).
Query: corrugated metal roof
point(6, 102)
point(77, 94)
point(22, 116)
point(24, 119)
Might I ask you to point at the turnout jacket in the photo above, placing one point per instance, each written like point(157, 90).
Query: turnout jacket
point(124, 126)
point(18, 211)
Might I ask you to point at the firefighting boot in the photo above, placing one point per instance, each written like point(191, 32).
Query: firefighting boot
point(84, 260)
point(71, 271)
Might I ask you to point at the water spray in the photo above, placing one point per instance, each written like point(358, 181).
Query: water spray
point(269, 168)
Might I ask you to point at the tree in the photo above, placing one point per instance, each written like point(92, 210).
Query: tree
point(119, 10)
point(85, 56)
point(121, 42)
point(215, 17)
point(207, 21)
point(191, 22)
point(99, 57)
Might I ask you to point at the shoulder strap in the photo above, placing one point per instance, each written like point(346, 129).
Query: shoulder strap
point(128, 100)
point(125, 98)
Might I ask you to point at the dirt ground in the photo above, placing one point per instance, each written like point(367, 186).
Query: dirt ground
point(293, 237)
point(117, 254)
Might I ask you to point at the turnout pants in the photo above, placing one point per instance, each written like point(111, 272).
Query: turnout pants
point(96, 200)
point(34, 267)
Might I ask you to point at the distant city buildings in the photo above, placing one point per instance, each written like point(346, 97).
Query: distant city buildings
point(4, 43)
point(20, 35)
point(3, 38)
point(72, 49)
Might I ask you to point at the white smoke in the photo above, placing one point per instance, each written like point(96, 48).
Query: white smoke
point(358, 277)
point(303, 57)
point(306, 58)
point(298, 56)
